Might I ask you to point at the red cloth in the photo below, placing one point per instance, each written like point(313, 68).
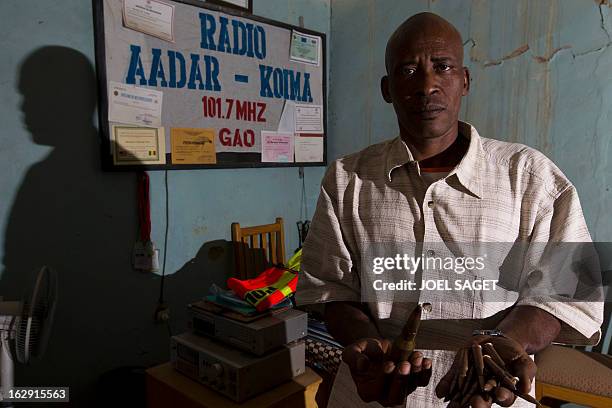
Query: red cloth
point(269, 288)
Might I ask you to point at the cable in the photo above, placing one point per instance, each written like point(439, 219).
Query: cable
point(163, 277)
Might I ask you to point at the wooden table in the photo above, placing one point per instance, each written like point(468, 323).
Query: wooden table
point(166, 387)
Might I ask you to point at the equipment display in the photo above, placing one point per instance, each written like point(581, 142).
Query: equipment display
point(234, 373)
point(258, 336)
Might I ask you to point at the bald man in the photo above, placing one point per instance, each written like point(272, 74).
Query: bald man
point(439, 181)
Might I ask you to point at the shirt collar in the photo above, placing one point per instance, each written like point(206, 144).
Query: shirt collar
point(397, 156)
point(467, 171)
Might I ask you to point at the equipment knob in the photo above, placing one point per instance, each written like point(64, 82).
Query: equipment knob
point(215, 371)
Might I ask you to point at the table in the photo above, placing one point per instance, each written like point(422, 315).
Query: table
point(166, 387)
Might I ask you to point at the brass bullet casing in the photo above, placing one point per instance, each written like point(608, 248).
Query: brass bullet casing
point(454, 383)
point(490, 350)
point(469, 393)
point(404, 345)
point(402, 349)
point(464, 367)
point(506, 379)
point(479, 363)
point(468, 380)
point(481, 374)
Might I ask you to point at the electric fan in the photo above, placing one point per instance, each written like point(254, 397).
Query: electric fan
point(27, 325)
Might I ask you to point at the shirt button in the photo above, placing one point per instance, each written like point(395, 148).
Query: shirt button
point(431, 252)
point(430, 204)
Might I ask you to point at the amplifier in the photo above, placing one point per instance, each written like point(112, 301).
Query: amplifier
point(234, 373)
point(258, 336)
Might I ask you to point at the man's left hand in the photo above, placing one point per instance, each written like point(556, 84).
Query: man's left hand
point(517, 361)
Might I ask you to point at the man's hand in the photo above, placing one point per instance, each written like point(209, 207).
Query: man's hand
point(517, 362)
point(378, 378)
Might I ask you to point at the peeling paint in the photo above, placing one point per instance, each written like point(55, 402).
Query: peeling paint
point(545, 59)
point(493, 63)
point(516, 53)
point(521, 50)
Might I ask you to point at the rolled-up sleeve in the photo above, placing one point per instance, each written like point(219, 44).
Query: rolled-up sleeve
point(562, 228)
point(327, 271)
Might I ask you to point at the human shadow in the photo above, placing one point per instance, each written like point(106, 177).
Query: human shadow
point(213, 264)
point(82, 222)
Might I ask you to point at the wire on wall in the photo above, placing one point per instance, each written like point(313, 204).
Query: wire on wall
point(162, 309)
point(163, 277)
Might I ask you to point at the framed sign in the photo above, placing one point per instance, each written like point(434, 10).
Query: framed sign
point(186, 84)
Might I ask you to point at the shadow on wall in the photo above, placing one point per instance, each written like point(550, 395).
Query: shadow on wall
point(81, 222)
point(213, 263)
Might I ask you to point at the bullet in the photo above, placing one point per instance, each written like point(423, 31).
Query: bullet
point(468, 380)
point(404, 345)
point(453, 385)
point(506, 379)
point(479, 363)
point(463, 367)
point(469, 393)
point(490, 350)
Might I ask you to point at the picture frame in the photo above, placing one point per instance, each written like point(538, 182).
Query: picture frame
point(235, 130)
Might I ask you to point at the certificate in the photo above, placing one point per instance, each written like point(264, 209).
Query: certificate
point(308, 118)
point(193, 146)
point(138, 145)
point(134, 105)
point(151, 17)
point(276, 147)
point(308, 149)
point(305, 48)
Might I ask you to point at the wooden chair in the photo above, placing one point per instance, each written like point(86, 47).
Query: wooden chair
point(258, 247)
point(579, 376)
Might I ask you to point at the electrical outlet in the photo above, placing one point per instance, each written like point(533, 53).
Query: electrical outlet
point(145, 257)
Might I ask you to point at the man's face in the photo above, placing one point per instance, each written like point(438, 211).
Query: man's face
point(425, 83)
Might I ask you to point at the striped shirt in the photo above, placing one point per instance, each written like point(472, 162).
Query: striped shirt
point(498, 193)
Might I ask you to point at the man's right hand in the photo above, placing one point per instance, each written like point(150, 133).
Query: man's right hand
point(378, 378)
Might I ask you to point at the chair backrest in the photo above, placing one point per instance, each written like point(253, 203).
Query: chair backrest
point(257, 247)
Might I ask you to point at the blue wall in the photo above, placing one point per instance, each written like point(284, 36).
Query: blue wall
point(58, 208)
point(541, 71)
